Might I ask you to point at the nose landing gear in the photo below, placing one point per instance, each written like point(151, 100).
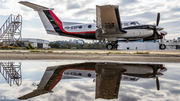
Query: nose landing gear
point(162, 46)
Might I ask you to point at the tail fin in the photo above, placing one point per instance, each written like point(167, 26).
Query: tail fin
point(47, 18)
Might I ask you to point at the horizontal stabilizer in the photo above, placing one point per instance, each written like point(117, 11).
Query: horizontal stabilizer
point(32, 94)
point(34, 6)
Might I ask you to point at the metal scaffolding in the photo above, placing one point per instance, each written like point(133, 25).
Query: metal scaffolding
point(10, 32)
point(11, 71)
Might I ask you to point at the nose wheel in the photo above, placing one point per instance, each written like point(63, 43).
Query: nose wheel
point(162, 46)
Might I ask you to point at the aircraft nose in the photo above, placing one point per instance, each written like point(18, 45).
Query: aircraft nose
point(159, 74)
point(163, 69)
point(163, 32)
point(159, 28)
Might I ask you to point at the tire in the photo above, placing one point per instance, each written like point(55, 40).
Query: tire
point(162, 46)
point(109, 46)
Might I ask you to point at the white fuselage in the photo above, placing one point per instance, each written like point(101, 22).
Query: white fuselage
point(131, 33)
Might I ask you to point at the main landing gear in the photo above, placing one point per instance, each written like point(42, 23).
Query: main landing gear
point(112, 46)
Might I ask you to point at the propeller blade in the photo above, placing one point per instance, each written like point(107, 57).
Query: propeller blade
point(155, 37)
point(158, 18)
point(157, 83)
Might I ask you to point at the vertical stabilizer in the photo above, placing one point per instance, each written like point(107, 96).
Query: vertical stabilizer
point(40, 9)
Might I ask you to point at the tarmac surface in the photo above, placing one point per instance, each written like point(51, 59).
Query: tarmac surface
point(113, 55)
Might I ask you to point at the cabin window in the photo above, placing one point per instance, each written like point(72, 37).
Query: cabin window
point(89, 26)
point(80, 27)
point(79, 74)
point(89, 75)
point(125, 24)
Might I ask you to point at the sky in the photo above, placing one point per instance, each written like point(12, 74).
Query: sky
point(143, 11)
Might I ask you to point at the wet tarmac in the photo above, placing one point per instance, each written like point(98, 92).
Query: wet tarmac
point(80, 80)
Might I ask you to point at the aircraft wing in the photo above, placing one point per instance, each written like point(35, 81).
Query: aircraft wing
point(108, 19)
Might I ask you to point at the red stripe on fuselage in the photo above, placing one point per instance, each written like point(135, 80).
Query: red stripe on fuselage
point(59, 23)
point(58, 78)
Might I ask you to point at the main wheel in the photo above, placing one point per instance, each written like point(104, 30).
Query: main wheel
point(109, 46)
point(162, 46)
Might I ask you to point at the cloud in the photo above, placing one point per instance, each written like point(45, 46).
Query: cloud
point(84, 89)
point(73, 6)
point(144, 11)
point(127, 2)
point(85, 12)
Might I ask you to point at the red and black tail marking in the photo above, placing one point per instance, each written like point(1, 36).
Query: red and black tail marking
point(56, 23)
point(58, 27)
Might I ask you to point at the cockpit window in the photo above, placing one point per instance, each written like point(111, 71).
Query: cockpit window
point(137, 23)
point(133, 23)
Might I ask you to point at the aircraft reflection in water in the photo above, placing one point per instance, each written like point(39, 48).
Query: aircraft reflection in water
point(11, 72)
point(108, 76)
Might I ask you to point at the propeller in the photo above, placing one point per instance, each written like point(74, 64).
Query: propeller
point(158, 18)
point(155, 29)
point(157, 83)
point(155, 37)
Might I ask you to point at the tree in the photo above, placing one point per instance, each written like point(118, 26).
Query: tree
point(55, 45)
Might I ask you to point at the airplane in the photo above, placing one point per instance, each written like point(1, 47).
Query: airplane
point(108, 26)
point(105, 74)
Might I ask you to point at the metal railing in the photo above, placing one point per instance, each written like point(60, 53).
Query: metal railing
point(11, 72)
point(10, 32)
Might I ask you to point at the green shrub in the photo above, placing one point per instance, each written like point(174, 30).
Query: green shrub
point(29, 46)
point(34, 51)
point(141, 52)
point(50, 51)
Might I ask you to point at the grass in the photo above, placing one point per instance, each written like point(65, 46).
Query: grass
point(108, 53)
point(41, 51)
point(141, 52)
point(63, 52)
point(16, 51)
point(95, 52)
point(121, 53)
point(50, 51)
point(34, 51)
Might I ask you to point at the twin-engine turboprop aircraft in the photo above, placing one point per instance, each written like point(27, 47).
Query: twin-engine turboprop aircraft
point(108, 26)
point(105, 74)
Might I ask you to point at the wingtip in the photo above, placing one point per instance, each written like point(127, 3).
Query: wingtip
point(34, 6)
point(22, 1)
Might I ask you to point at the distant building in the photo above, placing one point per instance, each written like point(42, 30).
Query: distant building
point(36, 43)
point(148, 45)
point(172, 44)
point(138, 45)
